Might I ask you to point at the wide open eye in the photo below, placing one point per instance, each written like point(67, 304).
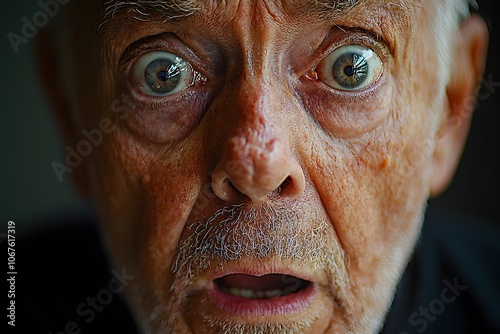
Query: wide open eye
point(350, 68)
point(161, 73)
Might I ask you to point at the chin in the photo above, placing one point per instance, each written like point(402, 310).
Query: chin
point(276, 275)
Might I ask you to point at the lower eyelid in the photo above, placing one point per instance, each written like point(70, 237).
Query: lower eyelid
point(158, 99)
point(195, 79)
point(166, 121)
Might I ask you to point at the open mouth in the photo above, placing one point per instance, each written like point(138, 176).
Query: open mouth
point(270, 294)
point(260, 287)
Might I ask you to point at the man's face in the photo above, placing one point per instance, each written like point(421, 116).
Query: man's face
point(269, 161)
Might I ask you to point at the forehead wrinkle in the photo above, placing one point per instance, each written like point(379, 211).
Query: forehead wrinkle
point(179, 10)
point(176, 10)
point(173, 10)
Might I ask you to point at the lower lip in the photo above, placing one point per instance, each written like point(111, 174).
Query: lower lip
point(238, 306)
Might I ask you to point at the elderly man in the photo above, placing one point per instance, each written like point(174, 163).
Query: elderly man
point(263, 166)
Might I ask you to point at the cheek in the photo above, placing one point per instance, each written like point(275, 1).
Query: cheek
point(136, 197)
point(346, 115)
point(401, 186)
point(373, 189)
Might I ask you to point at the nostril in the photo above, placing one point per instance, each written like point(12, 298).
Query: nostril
point(233, 190)
point(246, 177)
point(284, 184)
point(291, 187)
point(225, 189)
point(281, 188)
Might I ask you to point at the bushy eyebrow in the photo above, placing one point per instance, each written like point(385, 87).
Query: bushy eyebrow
point(171, 10)
point(330, 8)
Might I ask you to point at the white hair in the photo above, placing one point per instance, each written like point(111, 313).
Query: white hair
point(448, 16)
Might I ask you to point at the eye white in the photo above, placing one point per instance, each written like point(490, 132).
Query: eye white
point(161, 73)
point(350, 68)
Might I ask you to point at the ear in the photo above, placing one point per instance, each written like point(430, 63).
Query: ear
point(50, 69)
point(469, 57)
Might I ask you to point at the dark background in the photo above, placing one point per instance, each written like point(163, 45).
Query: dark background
point(475, 190)
point(30, 142)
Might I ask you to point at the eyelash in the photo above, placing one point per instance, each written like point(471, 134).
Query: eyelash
point(361, 37)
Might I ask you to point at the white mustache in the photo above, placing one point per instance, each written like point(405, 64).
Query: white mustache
point(258, 232)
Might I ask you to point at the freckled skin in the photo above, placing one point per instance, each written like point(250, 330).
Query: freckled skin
point(264, 126)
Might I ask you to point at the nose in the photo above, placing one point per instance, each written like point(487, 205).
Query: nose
point(257, 161)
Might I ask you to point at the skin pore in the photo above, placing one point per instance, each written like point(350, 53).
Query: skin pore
point(267, 157)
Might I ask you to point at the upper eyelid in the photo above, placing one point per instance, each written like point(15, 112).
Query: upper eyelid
point(157, 43)
point(357, 36)
point(135, 50)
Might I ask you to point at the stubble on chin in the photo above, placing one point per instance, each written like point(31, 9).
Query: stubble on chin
point(268, 232)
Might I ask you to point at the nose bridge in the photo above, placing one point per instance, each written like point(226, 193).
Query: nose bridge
point(257, 34)
point(258, 144)
point(257, 159)
point(256, 102)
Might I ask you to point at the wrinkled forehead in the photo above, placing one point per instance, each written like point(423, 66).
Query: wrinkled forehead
point(176, 10)
point(387, 18)
point(179, 9)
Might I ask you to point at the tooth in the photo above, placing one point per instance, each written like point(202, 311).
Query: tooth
point(274, 293)
point(259, 294)
point(235, 291)
point(247, 294)
point(244, 293)
point(256, 294)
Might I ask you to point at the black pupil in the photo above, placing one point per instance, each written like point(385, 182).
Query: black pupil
point(163, 75)
point(349, 70)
